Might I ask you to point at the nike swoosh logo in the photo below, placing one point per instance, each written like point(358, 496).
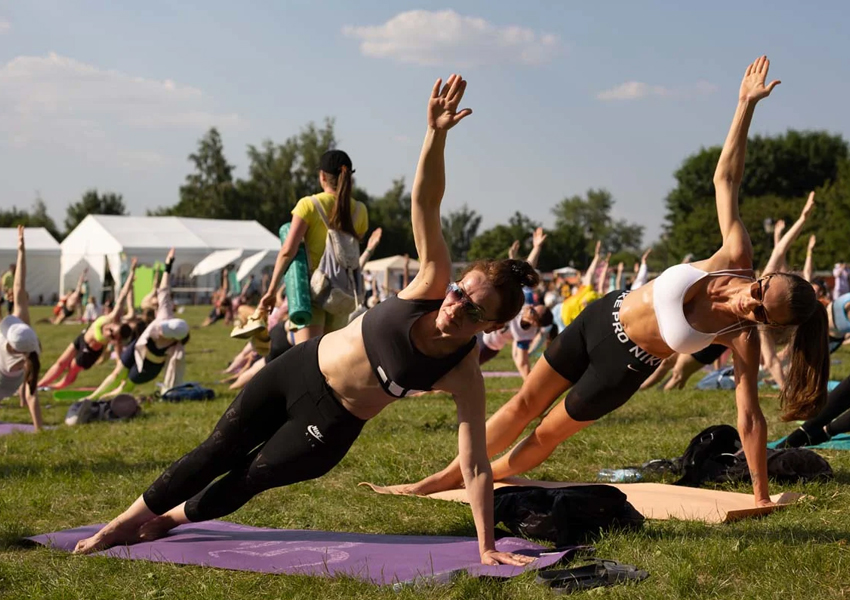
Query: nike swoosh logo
point(632, 368)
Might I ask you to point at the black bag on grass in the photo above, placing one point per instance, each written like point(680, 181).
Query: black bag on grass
point(120, 408)
point(564, 516)
point(715, 456)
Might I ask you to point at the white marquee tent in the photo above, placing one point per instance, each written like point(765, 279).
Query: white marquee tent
point(390, 270)
point(43, 258)
point(203, 246)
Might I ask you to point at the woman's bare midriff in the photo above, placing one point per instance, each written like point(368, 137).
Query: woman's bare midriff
point(637, 315)
point(345, 365)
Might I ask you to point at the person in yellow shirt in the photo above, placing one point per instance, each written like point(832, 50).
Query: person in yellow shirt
point(344, 213)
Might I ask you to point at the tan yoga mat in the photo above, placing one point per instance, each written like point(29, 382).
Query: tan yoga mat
point(654, 500)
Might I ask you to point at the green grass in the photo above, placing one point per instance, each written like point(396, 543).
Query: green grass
point(70, 477)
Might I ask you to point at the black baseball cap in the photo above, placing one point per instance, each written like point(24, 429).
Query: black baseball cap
point(332, 162)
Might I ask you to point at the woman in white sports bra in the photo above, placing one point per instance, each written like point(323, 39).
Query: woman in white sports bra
point(619, 340)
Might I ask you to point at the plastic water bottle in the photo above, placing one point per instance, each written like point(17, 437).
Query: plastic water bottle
point(619, 475)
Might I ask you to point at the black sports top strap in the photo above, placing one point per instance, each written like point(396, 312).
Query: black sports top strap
point(398, 365)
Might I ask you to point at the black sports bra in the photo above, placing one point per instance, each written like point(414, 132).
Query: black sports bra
point(398, 365)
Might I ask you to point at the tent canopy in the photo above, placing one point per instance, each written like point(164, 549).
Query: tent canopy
point(43, 260)
point(101, 239)
point(394, 263)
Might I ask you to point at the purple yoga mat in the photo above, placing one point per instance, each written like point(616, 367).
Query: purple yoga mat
point(380, 559)
point(501, 373)
point(6, 428)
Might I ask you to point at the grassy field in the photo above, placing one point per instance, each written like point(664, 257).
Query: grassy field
point(70, 477)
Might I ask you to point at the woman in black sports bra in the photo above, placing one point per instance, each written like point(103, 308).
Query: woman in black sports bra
point(298, 417)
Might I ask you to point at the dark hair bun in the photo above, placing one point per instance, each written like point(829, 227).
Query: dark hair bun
point(524, 273)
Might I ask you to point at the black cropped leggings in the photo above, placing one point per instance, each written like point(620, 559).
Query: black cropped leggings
point(285, 426)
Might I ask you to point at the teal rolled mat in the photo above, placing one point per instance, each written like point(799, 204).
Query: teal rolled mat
point(297, 280)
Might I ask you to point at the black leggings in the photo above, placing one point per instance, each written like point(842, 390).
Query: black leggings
point(709, 354)
point(86, 356)
point(594, 353)
point(835, 416)
point(285, 426)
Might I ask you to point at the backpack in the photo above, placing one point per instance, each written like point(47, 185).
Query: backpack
point(120, 408)
point(337, 284)
point(187, 391)
point(715, 456)
point(564, 516)
point(721, 379)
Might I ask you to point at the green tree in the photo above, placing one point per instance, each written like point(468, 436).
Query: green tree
point(459, 229)
point(36, 217)
point(780, 172)
point(496, 241)
point(281, 174)
point(209, 190)
point(93, 203)
point(591, 218)
point(392, 213)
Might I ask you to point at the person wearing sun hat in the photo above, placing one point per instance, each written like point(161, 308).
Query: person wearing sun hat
point(19, 344)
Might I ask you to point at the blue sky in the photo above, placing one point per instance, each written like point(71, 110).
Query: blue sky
point(566, 95)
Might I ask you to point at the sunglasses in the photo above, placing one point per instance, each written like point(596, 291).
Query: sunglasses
point(473, 311)
point(758, 293)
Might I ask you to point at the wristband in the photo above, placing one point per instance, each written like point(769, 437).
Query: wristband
point(168, 264)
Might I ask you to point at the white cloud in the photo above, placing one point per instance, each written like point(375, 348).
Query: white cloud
point(66, 102)
point(445, 37)
point(5, 25)
point(634, 90)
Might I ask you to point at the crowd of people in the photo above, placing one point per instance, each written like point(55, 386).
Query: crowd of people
point(307, 389)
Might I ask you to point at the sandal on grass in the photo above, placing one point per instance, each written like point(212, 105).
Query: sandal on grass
point(600, 573)
point(253, 325)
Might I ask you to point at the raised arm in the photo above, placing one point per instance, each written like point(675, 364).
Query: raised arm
point(373, 242)
point(165, 309)
point(643, 273)
point(19, 287)
point(619, 281)
point(730, 168)
point(587, 278)
point(118, 307)
point(537, 243)
point(777, 257)
point(435, 267)
point(808, 270)
point(602, 282)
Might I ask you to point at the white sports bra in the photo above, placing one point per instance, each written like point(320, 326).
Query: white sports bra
point(668, 296)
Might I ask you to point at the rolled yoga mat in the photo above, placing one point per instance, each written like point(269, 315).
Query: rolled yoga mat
point(379, 559)
point(72, 394)
point(297, 280)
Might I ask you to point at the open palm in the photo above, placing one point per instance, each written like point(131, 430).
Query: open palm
point(753, 87)
point(442, 107)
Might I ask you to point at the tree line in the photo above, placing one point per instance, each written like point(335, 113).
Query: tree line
point(780, 171)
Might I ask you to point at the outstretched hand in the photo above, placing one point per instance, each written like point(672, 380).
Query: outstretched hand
point(20, 237)
point(538, 237)
point(753, 87)
point(812, 241)
point(598, 248)
point(374, 239)
point(442, 107)
point(493, 557)
point(170, 255)
point(645, 255)
point(513, 251)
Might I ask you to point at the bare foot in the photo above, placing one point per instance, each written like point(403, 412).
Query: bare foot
point(156, 528)
point(111, 535)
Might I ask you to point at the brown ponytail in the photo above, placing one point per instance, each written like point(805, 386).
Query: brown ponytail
point(804, 393)
point(340, 217)
point(508, 277)
point(31, 368)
